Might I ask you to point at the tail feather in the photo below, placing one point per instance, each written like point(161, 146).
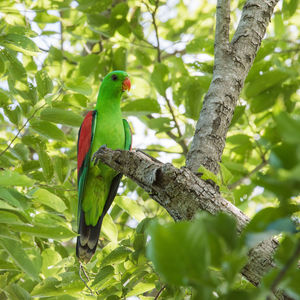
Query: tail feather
point(87, 240)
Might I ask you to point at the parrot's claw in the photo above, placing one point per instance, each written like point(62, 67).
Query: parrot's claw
point(95, 157)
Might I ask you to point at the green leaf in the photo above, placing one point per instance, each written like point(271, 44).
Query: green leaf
point(9, 218)
point(47, 130)
point(45, 197)
point(118, 255)
point(284, 156)
point(206, 174)
point(61, 116)
point(16, 292)
point(57, 232)
point(19, 43)
point(288, 128)
point(88, 64)
point(160, 78)
point(46, 164)
point(16, 69)
point(80, 85)
point(44, 83)
point(14, 115)
point(8, 196)
point(269, 222)
point(110, 229)
point(2, 63)
point(238, 113)
point(16, 251)
point(141, 107)
point(20, 151)
point(118, 14)
point(143, 57)
point(279, 26)
point(265, 81)
point(183, 253)
point(120, 59)
point(103, 275)
point(69, 285)
point(289, 7)
point(131, 207)
point(13, 178)
point(50, 259)
point(141, 288)
point(159, 124)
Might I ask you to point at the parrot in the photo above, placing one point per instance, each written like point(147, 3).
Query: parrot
point(97, 184)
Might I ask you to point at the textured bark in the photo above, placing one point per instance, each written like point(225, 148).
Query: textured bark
point(182, 194)
point(232, 63)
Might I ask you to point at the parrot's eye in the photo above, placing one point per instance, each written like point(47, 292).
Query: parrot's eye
point(114, 77)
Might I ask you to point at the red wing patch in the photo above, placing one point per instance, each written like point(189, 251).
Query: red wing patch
point(84, 139)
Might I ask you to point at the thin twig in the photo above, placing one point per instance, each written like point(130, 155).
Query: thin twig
point(24, 125)
point(81, 268)
point(19, 130)
point(156, 31)
point(256, 169)
point(159, 292)
point(153, 15)
point(173, 116)
point(175, 138)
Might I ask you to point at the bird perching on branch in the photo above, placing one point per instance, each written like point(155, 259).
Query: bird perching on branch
point(97, 183)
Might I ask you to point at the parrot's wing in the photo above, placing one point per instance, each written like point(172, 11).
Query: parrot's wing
point(84, 148)
point(116, 181)
point(128, 135)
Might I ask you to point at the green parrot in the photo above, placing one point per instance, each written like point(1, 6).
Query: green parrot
point(97, 183)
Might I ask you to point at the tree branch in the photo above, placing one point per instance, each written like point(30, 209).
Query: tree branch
point(171, 187)
point(232, 64)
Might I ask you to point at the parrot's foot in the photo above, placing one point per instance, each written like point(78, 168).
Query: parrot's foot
point(95, 157)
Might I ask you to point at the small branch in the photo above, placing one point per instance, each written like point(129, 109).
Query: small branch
point(182, 144)
point(81, 268)
point(24, 125)
point(19, 131)
point(256, 169)
point(156, 31)
point(64, 57)
point(153, 15)
point(175, 138)
point(173, 116)
point(159, 292)
point(285, 268)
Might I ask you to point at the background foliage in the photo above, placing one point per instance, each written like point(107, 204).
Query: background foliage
point(53, 55)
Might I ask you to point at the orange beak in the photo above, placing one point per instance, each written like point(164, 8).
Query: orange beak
point(126, 85)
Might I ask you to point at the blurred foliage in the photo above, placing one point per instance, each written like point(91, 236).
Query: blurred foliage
point(53, 55)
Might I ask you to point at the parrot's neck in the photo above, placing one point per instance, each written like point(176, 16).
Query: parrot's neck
point(108, 101)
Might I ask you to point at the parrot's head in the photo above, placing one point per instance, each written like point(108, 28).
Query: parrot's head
point(117, 81)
